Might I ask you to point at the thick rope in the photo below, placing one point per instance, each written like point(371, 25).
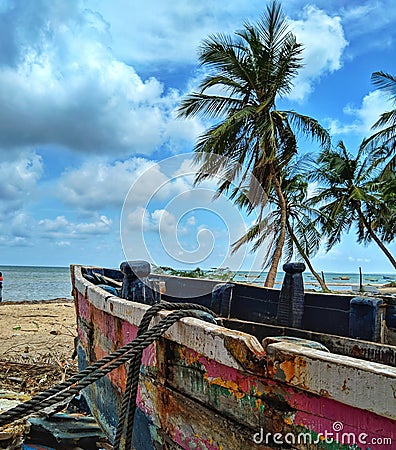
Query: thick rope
point(128, 404)
point(99, 369)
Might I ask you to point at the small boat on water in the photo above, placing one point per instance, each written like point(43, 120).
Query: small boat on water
point(276, 369)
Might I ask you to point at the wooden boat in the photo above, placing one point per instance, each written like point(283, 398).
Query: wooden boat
point(268, 375)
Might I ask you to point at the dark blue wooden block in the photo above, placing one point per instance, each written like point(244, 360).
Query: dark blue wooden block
point(365, 319)
point(291, 298)
point(221, 298)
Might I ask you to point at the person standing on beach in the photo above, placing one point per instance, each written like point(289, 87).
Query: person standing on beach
point(1, 287)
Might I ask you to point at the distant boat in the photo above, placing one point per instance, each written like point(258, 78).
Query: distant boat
point(344, 278)
point(229, 385)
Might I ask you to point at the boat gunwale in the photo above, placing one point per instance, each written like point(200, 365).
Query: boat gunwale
point(243, 351)
point(122, 308)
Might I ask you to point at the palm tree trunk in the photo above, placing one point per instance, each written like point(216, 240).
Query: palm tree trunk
point(375, 237)
point(270, 280)
point(306, 259)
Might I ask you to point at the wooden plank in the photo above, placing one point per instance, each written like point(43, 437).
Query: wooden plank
point(258, 403)
point(369, 351)
point(192, 425)
point(364, 385)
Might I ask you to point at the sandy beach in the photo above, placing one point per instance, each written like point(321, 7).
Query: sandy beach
point(36, 344)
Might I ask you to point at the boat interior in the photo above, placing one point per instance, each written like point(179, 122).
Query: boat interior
point(358, 326)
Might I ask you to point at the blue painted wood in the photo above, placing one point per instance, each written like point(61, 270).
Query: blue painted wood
point(291, 298)
point(101, 397)
point(365, 320)
point(36, 447)
point(142, 439)
point(221, 299)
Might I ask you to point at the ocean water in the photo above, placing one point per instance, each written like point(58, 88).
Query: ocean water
point(46, 283)
point(35, 283)
point(334, 281)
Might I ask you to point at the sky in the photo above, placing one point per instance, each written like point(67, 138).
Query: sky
point(94, 164)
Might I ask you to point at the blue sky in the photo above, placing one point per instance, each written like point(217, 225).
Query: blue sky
point(88, 92)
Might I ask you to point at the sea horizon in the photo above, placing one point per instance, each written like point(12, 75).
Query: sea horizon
point(186, 269)
point(24, 282)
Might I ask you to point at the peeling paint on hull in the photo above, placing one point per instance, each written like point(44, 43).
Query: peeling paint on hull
point(206, 387)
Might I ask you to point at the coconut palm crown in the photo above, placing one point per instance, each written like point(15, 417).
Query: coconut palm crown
point(384, 139)
point(351, 194)
point(246, 74)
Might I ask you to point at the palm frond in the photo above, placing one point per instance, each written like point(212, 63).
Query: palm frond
point(385, 82)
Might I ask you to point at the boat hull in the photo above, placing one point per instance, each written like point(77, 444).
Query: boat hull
point(208, 387)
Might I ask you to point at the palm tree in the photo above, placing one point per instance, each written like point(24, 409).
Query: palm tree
point(247, 74)
point(302, 235)
point(383, 213)
point(384, 140)
point(350, 196)
point(382, 147)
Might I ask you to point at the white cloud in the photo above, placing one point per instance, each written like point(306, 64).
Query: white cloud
point(359, 260)
point(373, 105)
point(18, 178)
point(10, 242)
point(101, 226)
point(61, 228)
point(164, 221)
point(18, 184)
point(99, 184)
point(165, 38)
point(159, 221)
point(364, 116)
point(159, 31)
point(54, 225)
point(64, 80)
point(21, 225)
point(138, 219)
point(62, 85)
point(324, 42)
point(23, 229)
point(63, 243)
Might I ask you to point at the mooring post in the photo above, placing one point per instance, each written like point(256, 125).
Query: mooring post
point(366, 318)
point(291, 298)
point(220, 302)
point(135, 285)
